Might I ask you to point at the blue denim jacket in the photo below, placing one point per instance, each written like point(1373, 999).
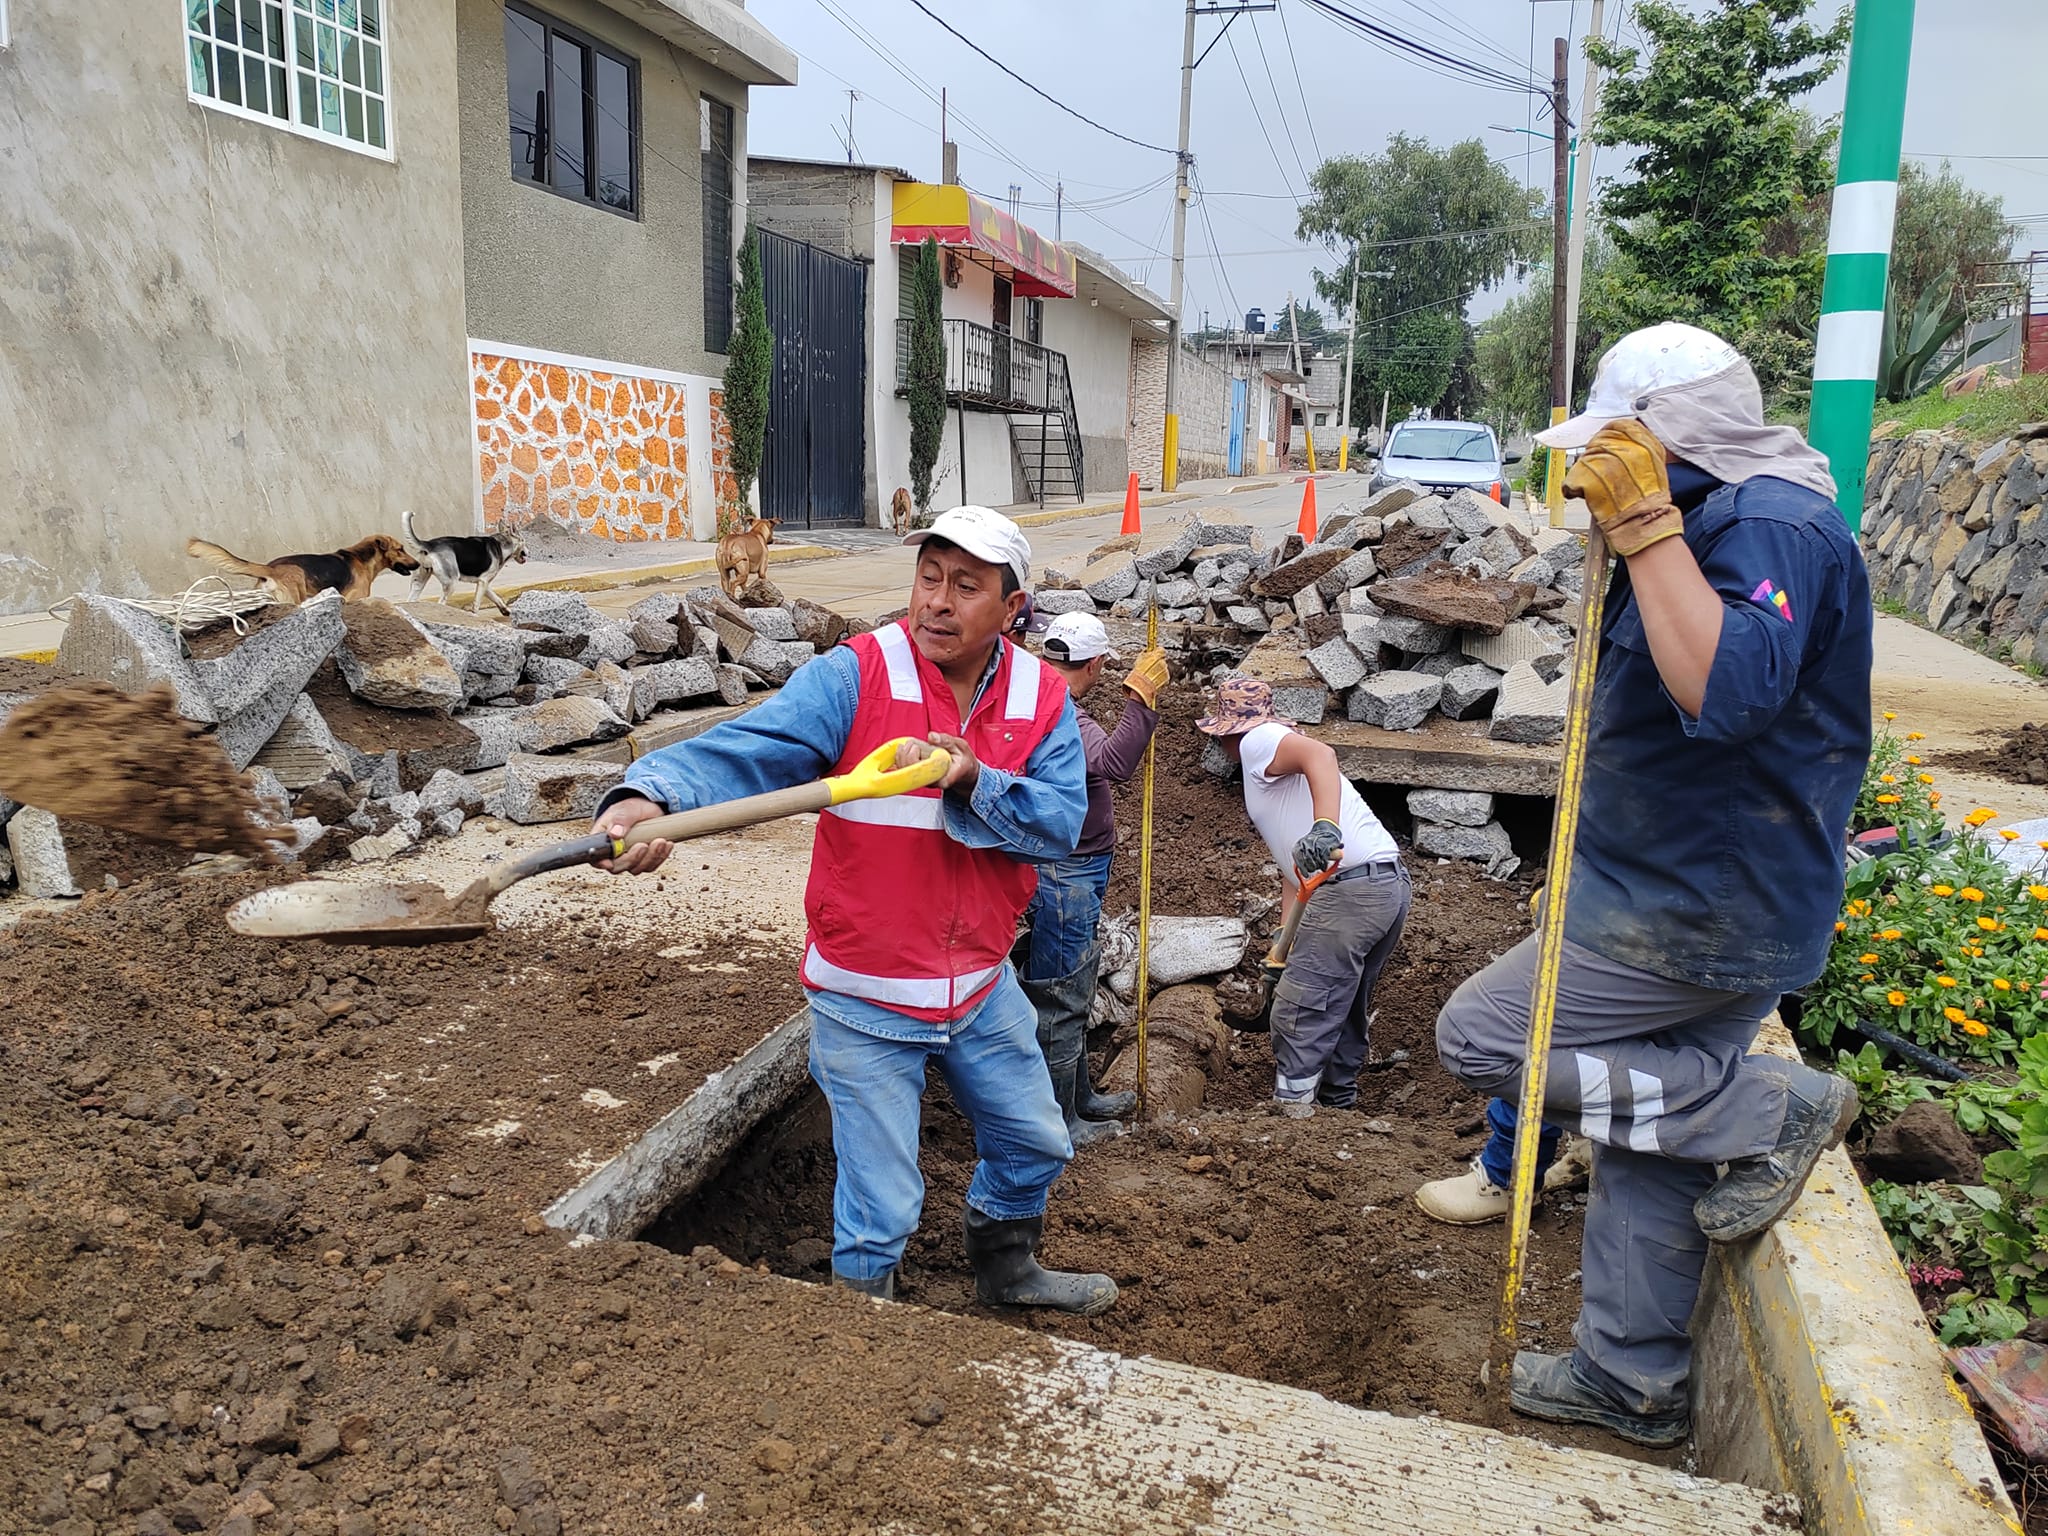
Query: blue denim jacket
point(1710, 849)
point(799, 734)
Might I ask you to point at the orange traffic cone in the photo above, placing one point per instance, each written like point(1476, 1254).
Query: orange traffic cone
point(1493, 490)
point(1131, 507)
point(1306, 527)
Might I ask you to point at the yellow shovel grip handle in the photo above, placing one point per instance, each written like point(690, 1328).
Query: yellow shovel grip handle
point(877, 775)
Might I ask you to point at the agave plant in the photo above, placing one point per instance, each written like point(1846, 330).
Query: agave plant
point(1909, 344)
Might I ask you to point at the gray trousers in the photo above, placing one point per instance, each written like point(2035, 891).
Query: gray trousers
point(1323, 1001)
point(1657, 1075)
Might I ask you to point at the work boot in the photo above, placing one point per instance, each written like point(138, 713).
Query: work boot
point(882, 1287)
point(1065, 1078)
point(1756, 1191)
point(1549, 1387)
point(1062, 1004)
point(1007, 1272)
point(1468, 1199)
point(1293, 1109)
point(1089, 1104)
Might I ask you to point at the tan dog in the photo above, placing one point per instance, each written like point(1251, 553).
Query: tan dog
point(900, 511)
point(744, 555)
point(294, 578)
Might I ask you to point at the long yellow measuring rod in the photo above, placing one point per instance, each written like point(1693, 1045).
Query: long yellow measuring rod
point(1564, 831)
point(1145, 888)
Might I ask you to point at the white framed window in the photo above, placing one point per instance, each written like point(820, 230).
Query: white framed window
point(316, 67)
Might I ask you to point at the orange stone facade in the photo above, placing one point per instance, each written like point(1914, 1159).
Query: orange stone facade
point(602, 453)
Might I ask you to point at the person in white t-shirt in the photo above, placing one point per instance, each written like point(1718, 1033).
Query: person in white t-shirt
point(1311, 819)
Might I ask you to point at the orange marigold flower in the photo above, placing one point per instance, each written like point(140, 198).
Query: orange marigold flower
point(1944, 981)
point(1889, 934)
point(1889, 715)
point(1973, 1027)
point(1916, 735)
point(1886, 778)
point(1896, 999)
point(1954, 1015)
point(1989, 924)
point(1970, 893)
point(1979, 816)
point(1841, 927)
point(1913, 762)
point(1934, 797)
point(1860, 907)
point(2041, 933)
point(1943, 890)
point(1868, 976)
point(1866, 959)
point(2038, 892)
point(1999, 983)
point(1887, 799)
point(2008, 834)
point(1926, 778)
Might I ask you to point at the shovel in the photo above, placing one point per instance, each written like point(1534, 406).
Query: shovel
point(416, 913)
point(1283, 944)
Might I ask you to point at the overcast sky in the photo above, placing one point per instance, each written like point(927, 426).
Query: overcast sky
point(1974, 96)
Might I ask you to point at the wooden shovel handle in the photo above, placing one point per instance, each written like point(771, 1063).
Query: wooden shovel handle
point(729, 815)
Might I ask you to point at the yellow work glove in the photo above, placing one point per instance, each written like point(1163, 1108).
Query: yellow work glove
point(1148, 676)
point(1622, 478)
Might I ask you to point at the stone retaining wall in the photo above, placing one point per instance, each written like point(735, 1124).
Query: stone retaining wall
point(1957, 533)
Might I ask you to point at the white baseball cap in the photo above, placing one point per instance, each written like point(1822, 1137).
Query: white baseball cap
point(984, 534)
point(1077, 637)
point(1641, 364)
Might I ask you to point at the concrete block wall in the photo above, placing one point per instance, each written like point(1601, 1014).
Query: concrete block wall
point(1204, 415)
point(1956, 532)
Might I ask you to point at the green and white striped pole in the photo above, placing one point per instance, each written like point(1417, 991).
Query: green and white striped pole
point(1860, 246)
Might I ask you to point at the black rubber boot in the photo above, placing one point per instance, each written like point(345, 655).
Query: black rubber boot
point(1548, 1387)
point(1007, 1272)
point(882, 1288)
point(1089, 1104)
point(1062, 1005)
point(1756, 1191)
point(1065, 1076)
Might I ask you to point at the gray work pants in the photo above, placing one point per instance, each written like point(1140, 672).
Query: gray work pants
point(1656, 1074)
point(1322, 1004)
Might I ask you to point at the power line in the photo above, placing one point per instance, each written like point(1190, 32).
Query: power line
point(1279, 107)
point(1460, 30)
point(1307, 117)
point(999, 64)
point(1259, 117)
point(1456, 67)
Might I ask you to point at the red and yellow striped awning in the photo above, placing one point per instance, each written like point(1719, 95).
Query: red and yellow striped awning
point(954, 216)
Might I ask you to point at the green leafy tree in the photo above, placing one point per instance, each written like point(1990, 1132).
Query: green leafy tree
point(927, 376)
point(1724, 172)
point(1513, 344)
point(1945, 229)
point(749, 369)
point(1446, 223)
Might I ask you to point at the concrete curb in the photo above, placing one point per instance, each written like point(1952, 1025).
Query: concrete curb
point(1814, 1372)
point(647, 575)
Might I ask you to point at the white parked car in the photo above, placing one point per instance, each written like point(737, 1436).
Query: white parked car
point(1445, 456)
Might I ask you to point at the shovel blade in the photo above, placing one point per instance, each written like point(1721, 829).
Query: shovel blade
point(343, 913)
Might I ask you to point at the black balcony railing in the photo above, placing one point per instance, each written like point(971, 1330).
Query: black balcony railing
point(987, 367)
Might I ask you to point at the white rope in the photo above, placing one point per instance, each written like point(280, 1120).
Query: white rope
point(207, 601)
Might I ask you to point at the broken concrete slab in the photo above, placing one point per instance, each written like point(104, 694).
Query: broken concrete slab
point(1062, 601)
point(36, 844)
point(1176, 592)
point(1529, 709)
point(1383, 504)
point(1407, 549)
point(1337, 664)
point(290, 647)
point(768, 659)
point(1521, 641)
point(1472, 514)
point(1363, 631)
point(389, 660)
point(494, 656)
point(394, 839)
point(302, 750)
point(1111, 578)
point(1224, 533)
point(1428, 514)
point(1459, 807)
point(816, 624)
point(608, 641)
point(1320, 629)
point(1416, 637)
point(1437, 663)
point(448, 790)
point(1469, 691)
point(554, 673)
point(1247, 617)
point(653, 637)
point(1304, 570)
point(773, 623)
point(564, 613)
point(662, 607)
point(1162, 548)
point(538, 789)
point(133, 649)
point(732, 683)
point(1353, 571)
point(1308, 602)
point(1396, 701)
point(1487, 844)
point(688, 677)
point(1452, 599)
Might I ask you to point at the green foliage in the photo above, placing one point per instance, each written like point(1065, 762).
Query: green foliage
point(1514, 343)
point(1943, 230)
point(749, 370)
point(1910, 342)
point(1882, 1092)
point(927, 376)
point(1897, 789)
point(1415, 192)
point(1716, 223)
point(1990, 413)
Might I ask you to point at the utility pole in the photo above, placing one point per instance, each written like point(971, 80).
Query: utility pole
point(851, 98)
point(1582, 182)
point(1560, 203)
point(1059, 209)
point(1308, 431)
point(1860, 245)
point(1350, 344)
point(1169, 469)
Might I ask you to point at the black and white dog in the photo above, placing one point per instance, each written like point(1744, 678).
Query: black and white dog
point(464, 558)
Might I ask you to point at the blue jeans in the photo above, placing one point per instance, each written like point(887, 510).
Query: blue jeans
point(874, 1087)
point(1065, 912)
point(1497, 1157)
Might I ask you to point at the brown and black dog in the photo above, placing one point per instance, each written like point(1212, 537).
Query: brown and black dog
point(744, 555)
point(294, 578)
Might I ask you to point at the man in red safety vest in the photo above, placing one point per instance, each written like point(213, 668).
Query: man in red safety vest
point(913, 900)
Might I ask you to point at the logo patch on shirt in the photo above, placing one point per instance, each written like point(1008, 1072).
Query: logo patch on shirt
point(1768, 596)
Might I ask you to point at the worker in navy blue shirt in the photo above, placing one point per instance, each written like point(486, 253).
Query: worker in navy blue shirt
point(1729, 731)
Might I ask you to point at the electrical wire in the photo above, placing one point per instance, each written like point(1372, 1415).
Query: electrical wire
point(1436, 59)
point(1279, 107)
point(1037, 90)
point(1259, 117)
point(1307, 118)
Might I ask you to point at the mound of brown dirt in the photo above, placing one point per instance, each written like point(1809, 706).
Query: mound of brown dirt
point(2021, 758)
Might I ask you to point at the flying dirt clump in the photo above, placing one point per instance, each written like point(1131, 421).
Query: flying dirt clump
point(129, 761)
